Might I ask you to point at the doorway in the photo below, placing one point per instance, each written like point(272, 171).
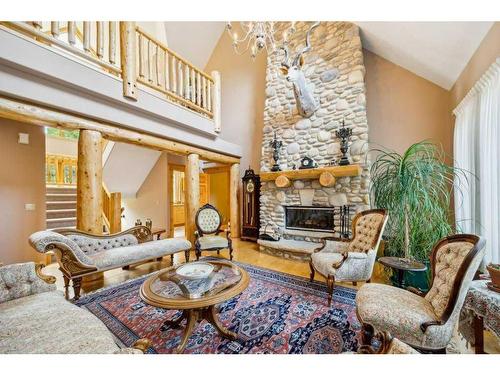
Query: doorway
point(177, 198)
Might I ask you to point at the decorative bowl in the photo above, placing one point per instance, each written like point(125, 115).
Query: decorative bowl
point(195, 270)
point(494, 270)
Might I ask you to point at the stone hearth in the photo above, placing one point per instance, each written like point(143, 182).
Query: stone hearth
point(335, 71)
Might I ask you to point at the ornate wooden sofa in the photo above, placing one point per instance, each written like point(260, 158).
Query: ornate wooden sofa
point(81, 254)
point(29, 304)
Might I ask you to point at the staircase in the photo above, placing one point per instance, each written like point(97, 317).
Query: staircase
point(61, 207)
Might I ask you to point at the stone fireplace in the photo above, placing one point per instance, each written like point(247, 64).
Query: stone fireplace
point(335, 72)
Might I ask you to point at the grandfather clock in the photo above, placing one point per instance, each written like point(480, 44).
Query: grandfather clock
point(251, 206)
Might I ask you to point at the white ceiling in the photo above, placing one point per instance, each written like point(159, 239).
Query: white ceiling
point(436, 51)
point(194, 41)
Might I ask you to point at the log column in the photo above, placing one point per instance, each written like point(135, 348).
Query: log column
point(192, 180)
point(89, 182)
point(234, 197)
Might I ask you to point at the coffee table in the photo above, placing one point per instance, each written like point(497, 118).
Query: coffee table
point(401, 265)
point(196, 298)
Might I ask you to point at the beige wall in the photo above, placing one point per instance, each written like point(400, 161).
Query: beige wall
point(61, 146)
point(219, 193)
point(243, 86)
point(487, 52)
point(152, 198)
point(404, 108)
point(22, 180)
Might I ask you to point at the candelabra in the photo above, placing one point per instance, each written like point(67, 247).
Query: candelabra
point(344, 134)
point(276, 145)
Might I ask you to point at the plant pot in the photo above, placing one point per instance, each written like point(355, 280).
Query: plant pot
point(494, 273)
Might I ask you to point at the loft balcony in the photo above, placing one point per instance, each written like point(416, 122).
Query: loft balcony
point(113, 72)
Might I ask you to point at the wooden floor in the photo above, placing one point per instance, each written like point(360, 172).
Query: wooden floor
point(244, 252)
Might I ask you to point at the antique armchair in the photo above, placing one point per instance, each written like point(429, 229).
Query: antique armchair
point(81, 254)
point(208, 222)
point(350, 260)
point(424, 321)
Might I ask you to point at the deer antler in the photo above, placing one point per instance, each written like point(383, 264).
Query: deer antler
point(286, 61)
point(307, 48)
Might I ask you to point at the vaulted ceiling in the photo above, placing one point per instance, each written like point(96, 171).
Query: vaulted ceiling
point(436, 51)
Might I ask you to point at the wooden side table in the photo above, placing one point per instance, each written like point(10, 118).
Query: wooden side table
point(401, 265)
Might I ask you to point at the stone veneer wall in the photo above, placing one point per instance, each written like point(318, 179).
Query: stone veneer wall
point(334, 69)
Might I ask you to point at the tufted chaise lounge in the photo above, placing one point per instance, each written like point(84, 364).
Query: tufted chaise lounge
point(424, 321)
point(35, 318)
point(80, 254)
point(350, 260)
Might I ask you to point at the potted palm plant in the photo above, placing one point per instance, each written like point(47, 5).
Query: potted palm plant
point(415, 187)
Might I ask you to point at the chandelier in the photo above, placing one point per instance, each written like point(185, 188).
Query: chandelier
point(257, 37)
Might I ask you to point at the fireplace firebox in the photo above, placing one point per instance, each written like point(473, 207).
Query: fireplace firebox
point(335, 219)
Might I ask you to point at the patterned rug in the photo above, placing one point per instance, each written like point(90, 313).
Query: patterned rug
point(277, 313)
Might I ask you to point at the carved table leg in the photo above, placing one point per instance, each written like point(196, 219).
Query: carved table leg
point(210, 315)
point(478, 334)
point(176, 322)
point(192, 319)
point(313, 271)
point(66, 286)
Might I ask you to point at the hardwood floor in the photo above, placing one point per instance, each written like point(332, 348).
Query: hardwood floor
point(245, 252)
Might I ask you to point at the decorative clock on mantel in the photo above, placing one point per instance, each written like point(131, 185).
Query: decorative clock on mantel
point(251, 206)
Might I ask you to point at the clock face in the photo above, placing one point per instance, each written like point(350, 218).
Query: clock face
point(250, 187)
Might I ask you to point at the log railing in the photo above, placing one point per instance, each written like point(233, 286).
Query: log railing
point(161, 69)
point(126, 51)
point(61, 170)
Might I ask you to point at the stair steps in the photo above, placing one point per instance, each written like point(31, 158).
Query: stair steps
point(61, 207)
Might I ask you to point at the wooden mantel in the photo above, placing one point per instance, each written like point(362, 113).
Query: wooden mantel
point(326, 175)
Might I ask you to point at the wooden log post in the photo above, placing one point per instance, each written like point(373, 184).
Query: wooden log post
point(216, 101)
point(234, 197)
point(127, 55)
point(282, 181)
point(89, 182)
point(192, 180)
point(326, 179)
point(115, 212)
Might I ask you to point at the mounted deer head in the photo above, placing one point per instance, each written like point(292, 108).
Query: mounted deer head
point(306, 104)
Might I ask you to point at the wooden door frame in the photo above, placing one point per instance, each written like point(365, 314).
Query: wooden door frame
point(170, 186)
point(221, 169)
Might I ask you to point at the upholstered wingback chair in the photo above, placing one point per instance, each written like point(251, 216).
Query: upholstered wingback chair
point(424, 321)
point(350, 260)
point(208, 222)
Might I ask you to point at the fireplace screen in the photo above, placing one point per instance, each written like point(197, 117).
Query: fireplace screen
point(323, 219)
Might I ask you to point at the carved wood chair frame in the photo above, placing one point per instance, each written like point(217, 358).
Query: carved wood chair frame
point(478, 243)
point(200, 232)
point(330, 279)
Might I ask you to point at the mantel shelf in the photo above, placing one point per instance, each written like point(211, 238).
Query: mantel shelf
point(326, 175)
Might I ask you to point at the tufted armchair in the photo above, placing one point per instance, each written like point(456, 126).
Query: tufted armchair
point(424, 321)
point(350, 260)
point(208, 222)
point(80, 254)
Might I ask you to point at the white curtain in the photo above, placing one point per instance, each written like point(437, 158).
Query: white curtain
point(477, 151)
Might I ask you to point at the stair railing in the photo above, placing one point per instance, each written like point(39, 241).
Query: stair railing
point(129, 53)
point(61, 170)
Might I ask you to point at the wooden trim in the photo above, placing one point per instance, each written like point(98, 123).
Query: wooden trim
point(142, 233)
point(38, 115)
point(171, 168)
point(128, 48)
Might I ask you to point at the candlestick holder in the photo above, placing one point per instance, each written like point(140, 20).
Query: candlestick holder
point(344, 134)
point(276, 145)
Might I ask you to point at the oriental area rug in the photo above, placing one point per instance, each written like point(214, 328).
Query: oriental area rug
point(276, 314)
